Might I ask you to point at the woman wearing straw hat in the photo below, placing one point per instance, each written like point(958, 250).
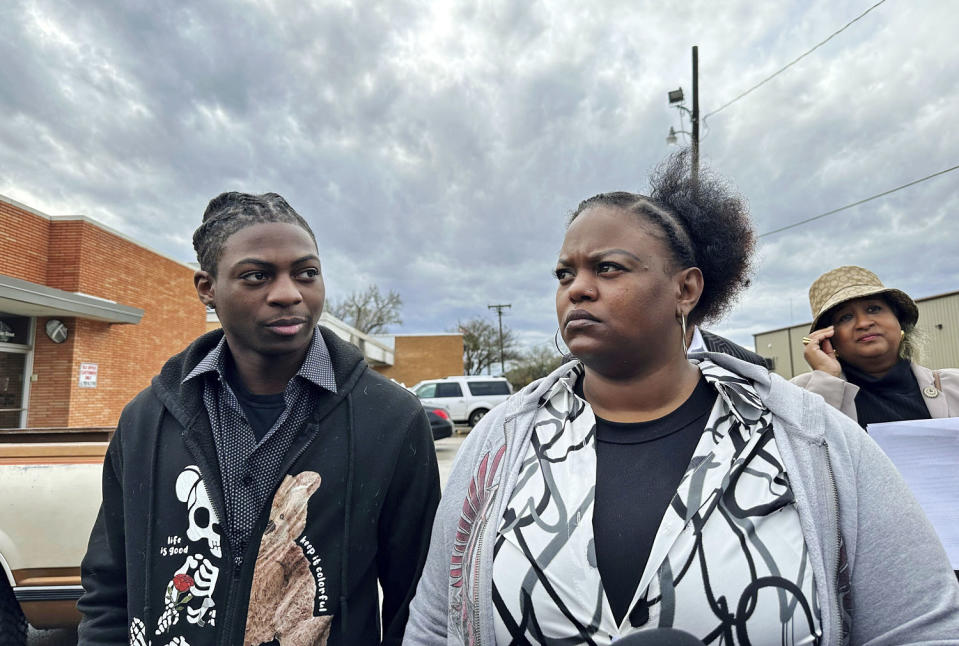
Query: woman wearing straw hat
point(861, 347)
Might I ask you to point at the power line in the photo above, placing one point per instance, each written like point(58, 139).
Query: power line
point(790, 64)
point(849, 206)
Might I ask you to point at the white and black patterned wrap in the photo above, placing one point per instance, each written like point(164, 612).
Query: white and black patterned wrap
point(881, 574)
point(728, 564)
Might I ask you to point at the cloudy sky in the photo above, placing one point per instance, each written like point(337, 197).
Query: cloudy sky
point(437, 147)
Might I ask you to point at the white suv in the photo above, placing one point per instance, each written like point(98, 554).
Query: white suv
point(466, 398)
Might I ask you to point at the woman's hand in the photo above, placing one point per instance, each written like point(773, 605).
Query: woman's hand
point(819, 353)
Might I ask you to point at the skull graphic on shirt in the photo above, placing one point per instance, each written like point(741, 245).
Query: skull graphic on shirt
point(204, 524)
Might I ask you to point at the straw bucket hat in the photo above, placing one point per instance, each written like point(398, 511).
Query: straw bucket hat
point(850, 282)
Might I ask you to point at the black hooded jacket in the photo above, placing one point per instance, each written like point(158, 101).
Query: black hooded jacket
point(353, 506)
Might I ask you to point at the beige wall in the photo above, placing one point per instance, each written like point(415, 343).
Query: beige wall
point(427, 356)
point(784, 347)
point(938, 323)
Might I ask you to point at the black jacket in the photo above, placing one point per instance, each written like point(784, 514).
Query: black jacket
point(353, 507)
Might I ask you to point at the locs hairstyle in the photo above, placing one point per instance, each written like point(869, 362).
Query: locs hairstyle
point(227, 213)
point(704, 224)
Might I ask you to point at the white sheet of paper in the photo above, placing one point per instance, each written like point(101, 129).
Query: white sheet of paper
point(926, 452)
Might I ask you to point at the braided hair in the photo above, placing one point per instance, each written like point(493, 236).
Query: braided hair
point(227, 213)
point(703, 223)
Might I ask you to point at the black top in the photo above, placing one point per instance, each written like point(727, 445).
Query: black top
point(252, 434)
point(261, 411)
point(638, 469)
point(894, 397)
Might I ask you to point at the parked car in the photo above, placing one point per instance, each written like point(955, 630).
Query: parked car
point(440, 422)
point(466, 398)
point(50, 484)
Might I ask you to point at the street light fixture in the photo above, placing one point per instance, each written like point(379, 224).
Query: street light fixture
point(671, 137)
point(675, 96)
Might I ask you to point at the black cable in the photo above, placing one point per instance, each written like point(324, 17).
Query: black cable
point(790, 64)
point(849, 206)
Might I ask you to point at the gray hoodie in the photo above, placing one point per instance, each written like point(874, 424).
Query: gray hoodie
point(881, 573)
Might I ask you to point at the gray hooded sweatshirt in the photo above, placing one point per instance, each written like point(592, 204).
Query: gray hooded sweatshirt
point(882, 575)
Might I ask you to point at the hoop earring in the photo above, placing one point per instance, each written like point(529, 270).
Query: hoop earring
point(556, 345)
point(682, 322)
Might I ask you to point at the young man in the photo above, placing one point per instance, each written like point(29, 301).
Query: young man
point(267, 480)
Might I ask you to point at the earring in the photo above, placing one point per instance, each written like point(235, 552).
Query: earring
point(556, 344)
point(902, 334)
point(682, 322)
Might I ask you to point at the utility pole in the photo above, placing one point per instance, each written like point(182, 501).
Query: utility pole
point(695, 118)
point(676, 99)
point(499, 312)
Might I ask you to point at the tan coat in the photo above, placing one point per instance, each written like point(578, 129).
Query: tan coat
point(839, 393)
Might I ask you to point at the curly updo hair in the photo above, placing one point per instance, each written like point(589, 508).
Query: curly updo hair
point(227, 213)
point(705, 224)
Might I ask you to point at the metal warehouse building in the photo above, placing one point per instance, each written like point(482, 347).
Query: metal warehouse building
point(938, 322)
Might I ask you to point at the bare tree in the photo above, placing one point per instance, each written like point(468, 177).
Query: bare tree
point(369, 311)
point(481, 345)
point(533, 364)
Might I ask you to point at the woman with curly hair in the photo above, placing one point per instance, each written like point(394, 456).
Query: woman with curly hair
point(862, 349)
point(636, 489)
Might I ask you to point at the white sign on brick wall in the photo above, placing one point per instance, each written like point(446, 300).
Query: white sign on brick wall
point(88, 375)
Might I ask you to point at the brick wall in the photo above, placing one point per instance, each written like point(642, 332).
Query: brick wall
point(50, 394)
point(428, 356)
point(77, 255)
point(127, 356)
point(24, 237)
point(63, 252)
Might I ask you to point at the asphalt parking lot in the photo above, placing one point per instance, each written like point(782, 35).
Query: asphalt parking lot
point(445, 452)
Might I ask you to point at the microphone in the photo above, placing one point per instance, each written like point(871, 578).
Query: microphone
point(659, 637)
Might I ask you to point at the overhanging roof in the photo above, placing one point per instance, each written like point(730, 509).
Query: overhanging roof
point(30, 299)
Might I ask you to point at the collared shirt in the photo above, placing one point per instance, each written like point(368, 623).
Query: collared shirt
point(728, 563)
point(249, 468)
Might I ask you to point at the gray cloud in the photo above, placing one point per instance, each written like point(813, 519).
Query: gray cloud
point(437, 147)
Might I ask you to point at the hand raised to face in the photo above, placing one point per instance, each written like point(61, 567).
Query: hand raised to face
point(819, 352)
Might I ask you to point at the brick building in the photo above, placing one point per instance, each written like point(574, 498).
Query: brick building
point(424, 356)
point(88, 316)
point(124, 310)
